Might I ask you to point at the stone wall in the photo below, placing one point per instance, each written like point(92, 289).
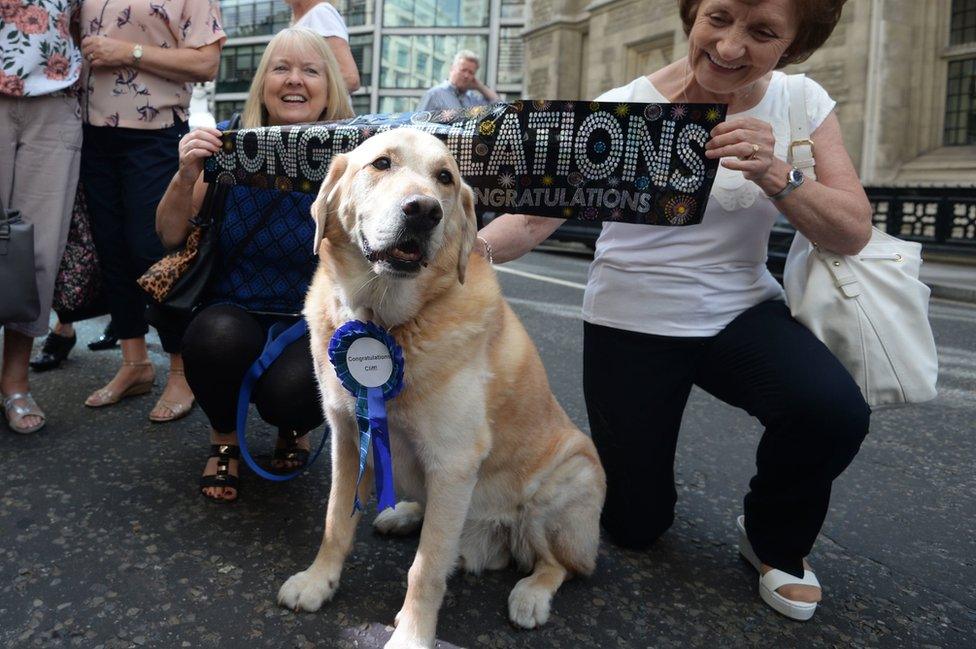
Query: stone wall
point(885, 65)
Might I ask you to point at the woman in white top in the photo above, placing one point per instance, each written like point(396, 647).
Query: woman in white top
point(669, 307)
point(323, 19)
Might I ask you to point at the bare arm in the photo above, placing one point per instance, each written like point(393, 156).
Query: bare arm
point(347, 64)
point(177, 64)
point(832, 211)
point(486, 92)
point(184, 196)
point(512, 235)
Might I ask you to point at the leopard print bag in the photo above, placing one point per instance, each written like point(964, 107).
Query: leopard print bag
point(161, 277)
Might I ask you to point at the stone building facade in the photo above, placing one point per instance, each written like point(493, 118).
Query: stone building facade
point(902, 71)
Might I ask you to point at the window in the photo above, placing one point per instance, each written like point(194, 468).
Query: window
point(960, 109)
point(254, 17)
point(361, 46)
point(431, 57)
point(963, 22)
point(398, 104)
point(360, 104)
point(355, 12)
point(435, 13)
point(225, 109)
point(960, 114)
point(514, 9)
point(510, 56)
point(237, 67)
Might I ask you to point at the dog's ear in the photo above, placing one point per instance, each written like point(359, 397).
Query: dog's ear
point(469, 230)
point(326, 201)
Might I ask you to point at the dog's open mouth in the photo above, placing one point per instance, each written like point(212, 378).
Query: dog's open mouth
point(405, 256)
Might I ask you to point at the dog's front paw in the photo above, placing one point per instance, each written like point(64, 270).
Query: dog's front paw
point(404, 518)
point(411, 632)
point(403, 639)
point(306, 591)
point(528, 604)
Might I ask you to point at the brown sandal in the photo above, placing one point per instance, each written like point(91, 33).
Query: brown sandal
point(105, 397)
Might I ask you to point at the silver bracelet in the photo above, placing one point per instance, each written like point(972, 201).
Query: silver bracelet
point(488, 255)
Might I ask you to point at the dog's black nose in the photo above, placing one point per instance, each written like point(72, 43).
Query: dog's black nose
point(421, 213)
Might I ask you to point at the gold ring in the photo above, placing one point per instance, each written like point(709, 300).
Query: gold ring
point(755, 150)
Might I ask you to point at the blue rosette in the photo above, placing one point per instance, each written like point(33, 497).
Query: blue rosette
point(371, 401)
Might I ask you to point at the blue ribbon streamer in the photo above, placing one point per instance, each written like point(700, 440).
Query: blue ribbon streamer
point(371, 417)
point(278, 339)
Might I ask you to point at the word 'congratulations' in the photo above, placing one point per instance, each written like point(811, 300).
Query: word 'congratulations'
point(630, 162)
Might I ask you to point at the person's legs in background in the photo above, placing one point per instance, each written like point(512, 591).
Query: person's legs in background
point(103, 173)
point(636, 386)
point(152, 164)
point(141, 164)
point(815, 417)
point(40, 144)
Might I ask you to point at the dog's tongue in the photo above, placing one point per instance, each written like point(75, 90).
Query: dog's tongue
point(407, 251)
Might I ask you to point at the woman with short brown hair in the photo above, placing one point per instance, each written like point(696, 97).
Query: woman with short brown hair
point(668, 308)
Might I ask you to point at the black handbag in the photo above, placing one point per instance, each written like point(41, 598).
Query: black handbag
point(19, 300)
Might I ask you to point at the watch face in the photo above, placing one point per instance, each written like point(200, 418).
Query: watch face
point(796, 176)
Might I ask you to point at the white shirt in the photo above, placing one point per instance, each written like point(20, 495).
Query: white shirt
point(325, 20)
point(694, 280)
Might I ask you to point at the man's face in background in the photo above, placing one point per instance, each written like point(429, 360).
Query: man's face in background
point(463, 74)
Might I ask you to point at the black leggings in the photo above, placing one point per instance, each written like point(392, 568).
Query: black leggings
point(636, 388)
point(219, 346)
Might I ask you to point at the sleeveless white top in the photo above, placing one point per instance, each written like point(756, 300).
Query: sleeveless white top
point(694, 280)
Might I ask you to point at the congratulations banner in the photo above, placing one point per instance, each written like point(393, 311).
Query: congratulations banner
point(627, 162)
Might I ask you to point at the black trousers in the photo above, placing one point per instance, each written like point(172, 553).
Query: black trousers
point(219, 346)
point(636, 387)
point(125, 172)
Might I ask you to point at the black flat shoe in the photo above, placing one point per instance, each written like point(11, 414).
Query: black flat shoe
point(106, 341)
point(53, 352)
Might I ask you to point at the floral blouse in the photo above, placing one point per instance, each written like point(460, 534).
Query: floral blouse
point(131, 97)
point(37, 54)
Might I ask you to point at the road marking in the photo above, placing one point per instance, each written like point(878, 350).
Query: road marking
point(541, 278)
point(548, 308)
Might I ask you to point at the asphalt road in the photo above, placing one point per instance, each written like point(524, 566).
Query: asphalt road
point(104, 542)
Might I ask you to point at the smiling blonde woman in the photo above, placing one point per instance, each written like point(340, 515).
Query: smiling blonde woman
point(297, 81)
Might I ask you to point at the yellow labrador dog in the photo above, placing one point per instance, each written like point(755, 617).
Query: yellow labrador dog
point(485, 457)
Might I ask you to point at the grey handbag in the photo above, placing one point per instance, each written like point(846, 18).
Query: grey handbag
point(19, 301)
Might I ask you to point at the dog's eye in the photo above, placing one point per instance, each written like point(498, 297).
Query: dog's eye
point(382, 163)
point(445, 177)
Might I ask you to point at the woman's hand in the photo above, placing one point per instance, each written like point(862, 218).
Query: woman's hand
point(195, 146)
point(748, 143)
point(105, 52)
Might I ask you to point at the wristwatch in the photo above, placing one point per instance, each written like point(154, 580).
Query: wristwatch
point(793, 180)
point(137, 54)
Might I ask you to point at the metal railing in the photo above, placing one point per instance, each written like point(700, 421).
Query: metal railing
point(940, 218)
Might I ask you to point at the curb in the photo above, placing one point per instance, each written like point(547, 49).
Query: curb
point(957, 293)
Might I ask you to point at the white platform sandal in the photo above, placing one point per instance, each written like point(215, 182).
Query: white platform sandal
point(768, 583)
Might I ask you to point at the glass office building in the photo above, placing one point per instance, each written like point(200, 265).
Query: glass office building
point(402, 47)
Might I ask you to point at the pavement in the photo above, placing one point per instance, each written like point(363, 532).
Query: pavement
point(105, 544)
point(950, 279)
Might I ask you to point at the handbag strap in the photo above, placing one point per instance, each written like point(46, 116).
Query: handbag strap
point(800, 155)
point(216, 192)
point(800, 151)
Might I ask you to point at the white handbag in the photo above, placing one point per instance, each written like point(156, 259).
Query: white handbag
point(869, 309)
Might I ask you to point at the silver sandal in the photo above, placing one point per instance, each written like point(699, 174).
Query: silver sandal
point(15, 412)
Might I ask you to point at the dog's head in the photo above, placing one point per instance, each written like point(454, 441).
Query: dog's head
point(398, 198)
